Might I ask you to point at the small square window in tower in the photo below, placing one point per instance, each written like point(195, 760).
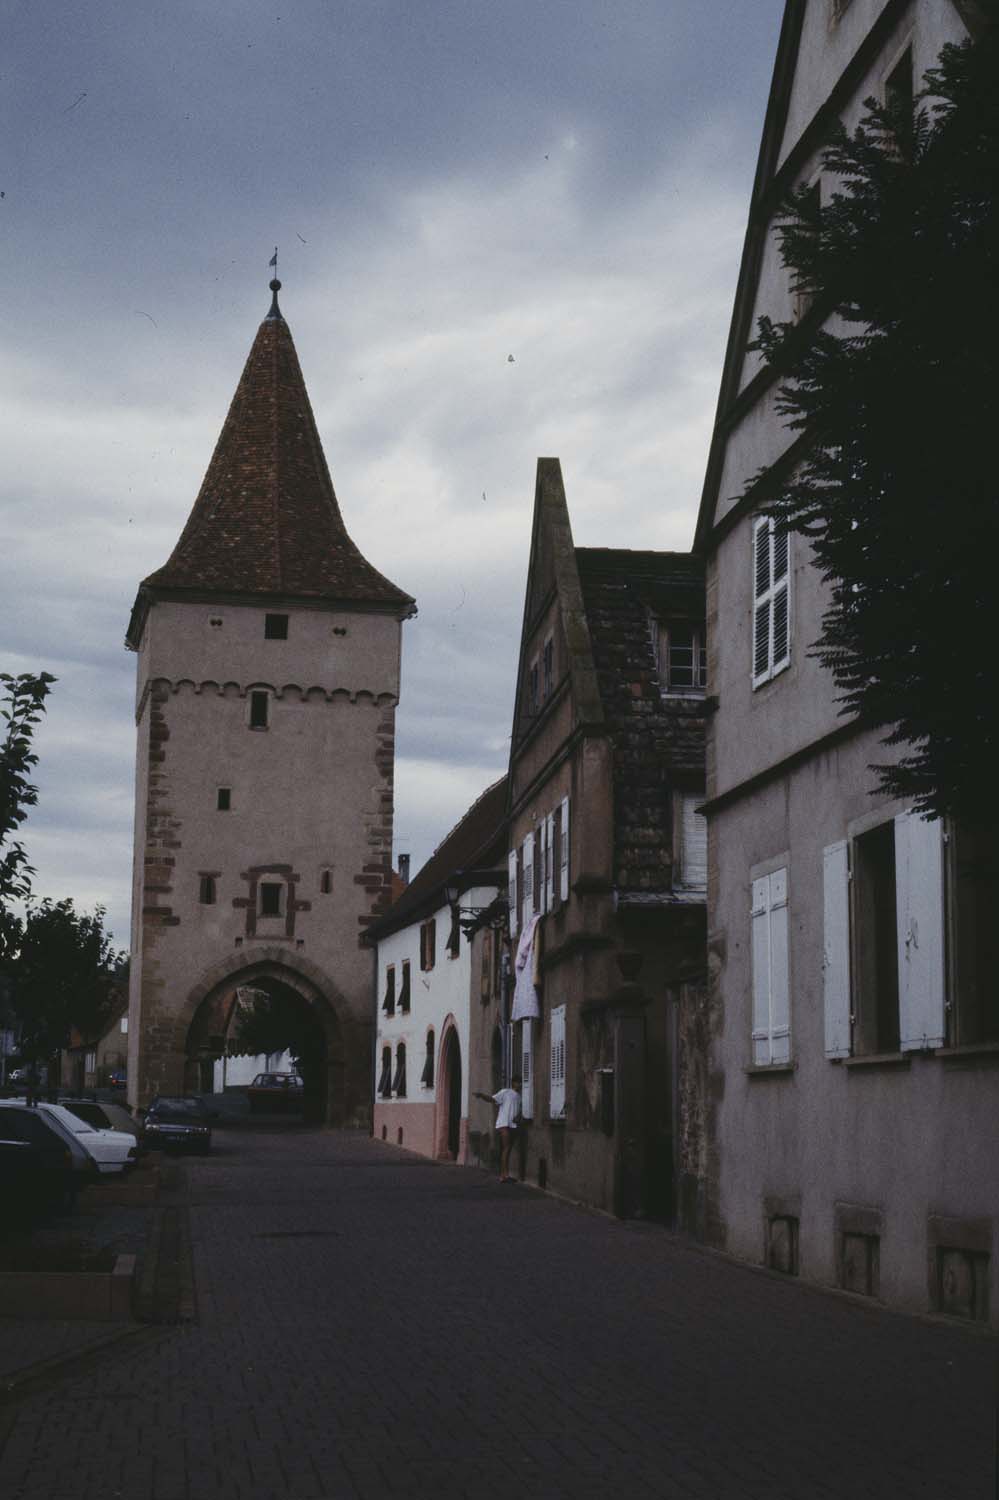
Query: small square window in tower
point(275, 627)
point(259, 705)
point(270, 899)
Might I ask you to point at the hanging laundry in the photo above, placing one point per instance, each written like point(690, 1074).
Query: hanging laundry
point(525, 996)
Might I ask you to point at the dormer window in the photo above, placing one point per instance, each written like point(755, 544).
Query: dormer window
point(275, 627)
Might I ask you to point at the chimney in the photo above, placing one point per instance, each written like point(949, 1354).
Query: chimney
point(404, 868)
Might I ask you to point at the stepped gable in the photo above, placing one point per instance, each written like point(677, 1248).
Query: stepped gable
point(266, 520)
point(658, 741)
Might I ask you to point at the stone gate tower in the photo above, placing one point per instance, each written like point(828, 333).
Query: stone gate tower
point(268, 677)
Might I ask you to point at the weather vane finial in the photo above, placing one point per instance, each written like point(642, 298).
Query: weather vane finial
point(275, 311)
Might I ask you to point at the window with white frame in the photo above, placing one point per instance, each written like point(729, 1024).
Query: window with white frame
point(884, 954)
point(771, 988)
point(556, 1075)
point(527, 880)
point(771, 600)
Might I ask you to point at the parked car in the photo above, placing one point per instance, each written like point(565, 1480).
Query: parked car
point(31, 1124)
point(275, 1093)
point(36, 1164)
point(182, 1121)
point(105, 1116)
point(111, 1149)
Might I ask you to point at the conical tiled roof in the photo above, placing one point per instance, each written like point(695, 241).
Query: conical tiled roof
point(266, 520)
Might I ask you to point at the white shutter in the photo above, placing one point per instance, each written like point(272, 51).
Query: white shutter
point(564, 852)
point(511, 865)
point(694, 835)
point(550, 857)
point(556, 1084)
point(761, 971)
point(527, 867)
point(761, 600)
point(780, 553)
point(836, 948)
point(919, 899)
point(780, 994)
point(526, 1071)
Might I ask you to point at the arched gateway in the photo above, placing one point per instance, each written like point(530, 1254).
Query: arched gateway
point(268, 677)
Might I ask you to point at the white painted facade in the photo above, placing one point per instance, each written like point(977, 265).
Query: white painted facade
point(439, 1002)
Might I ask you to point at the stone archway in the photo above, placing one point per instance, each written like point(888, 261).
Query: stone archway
point(450, 1129)
point(204, 1016)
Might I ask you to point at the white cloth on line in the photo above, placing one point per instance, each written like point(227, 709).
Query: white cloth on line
point(525, 996)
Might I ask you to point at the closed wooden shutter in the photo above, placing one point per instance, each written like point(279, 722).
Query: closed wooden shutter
point(526, 1071)
point(919, 900)
point(836, 948)
point(511, 865)
point(694, 843)
point(527, 863)
point(556, 1086)
point(780, 996)
point(771, 993)
point(771, 599)
point(564, 853)
point(548, 843)
point(760, 920)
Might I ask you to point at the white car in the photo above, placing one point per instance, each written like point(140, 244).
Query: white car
point(112, 1150)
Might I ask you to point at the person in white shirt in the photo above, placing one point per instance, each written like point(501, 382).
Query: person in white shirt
point(507, 1103)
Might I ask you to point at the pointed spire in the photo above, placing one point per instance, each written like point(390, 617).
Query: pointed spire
point(266, 521)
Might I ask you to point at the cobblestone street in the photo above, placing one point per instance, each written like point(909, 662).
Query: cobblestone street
point(369, 1324)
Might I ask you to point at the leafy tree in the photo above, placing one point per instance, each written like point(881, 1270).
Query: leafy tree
point(23, 701)
point(891, 378)
point(63, 976)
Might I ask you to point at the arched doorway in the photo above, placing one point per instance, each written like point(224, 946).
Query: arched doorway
point(302, 1006)
point(449, 1133)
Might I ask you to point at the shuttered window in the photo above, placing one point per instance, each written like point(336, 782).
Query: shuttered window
point(399, 1081)
point(771, 992)
point(919, 895)
point(556, 1077)
point(526, 1070)
point(564, 852)
point(771, 600)
point(427, 1076)
point(385, 1076)
point(527, 877)
point(548, 844)
point(404, 990)
point(693, 843)
point(836, 948)
point(884, 966)
point(512, 894)
point(388, 1002)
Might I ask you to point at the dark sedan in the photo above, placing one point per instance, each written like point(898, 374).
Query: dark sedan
point(181, 1122)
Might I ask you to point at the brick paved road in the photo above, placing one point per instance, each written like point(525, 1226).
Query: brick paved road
point(372, 1325)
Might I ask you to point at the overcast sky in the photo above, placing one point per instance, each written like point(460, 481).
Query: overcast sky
point(450, 183)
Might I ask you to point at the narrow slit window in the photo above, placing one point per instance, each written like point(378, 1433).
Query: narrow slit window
point(224, 799)
point(275, 627)
point(326, 882)
point(259, 706)
point(206, 893)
